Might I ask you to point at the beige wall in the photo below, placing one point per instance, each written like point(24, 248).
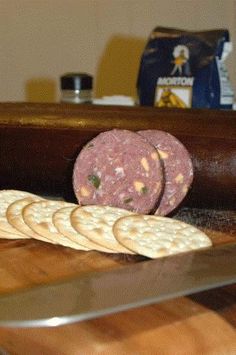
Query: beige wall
point(42, 39)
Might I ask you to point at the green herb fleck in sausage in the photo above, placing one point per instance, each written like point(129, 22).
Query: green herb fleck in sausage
point(144, 189)
point(128, 200)
point(95, 180)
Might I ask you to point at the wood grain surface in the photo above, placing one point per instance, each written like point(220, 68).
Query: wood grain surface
point(183, 326)
point(37, 146)
point(204, 323)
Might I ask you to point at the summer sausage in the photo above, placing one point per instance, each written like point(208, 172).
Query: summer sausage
point(119, 168)
point(178, 169)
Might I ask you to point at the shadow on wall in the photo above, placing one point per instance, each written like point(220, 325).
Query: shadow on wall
point(117, 70)
point(40, 90)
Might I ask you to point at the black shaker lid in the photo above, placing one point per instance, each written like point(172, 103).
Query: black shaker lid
point(76, 81)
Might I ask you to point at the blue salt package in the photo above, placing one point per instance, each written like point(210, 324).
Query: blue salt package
point(185, 69)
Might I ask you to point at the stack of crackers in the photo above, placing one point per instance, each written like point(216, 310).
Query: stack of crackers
point(94, 227)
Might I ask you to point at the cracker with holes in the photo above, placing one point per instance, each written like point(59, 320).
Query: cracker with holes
point(61, 220)
point(155, 236)
point(15, 217)
point(96, 223)
point(7, 197)
point(38, 216)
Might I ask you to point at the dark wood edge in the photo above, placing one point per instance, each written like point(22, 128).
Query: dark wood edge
point(196, 122)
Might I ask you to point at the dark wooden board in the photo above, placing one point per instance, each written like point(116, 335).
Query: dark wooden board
point(39, 143)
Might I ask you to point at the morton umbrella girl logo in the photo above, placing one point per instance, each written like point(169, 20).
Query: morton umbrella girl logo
point(181, 57)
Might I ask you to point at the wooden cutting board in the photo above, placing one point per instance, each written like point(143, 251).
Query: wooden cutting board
point(25, 263)
point(201, 324)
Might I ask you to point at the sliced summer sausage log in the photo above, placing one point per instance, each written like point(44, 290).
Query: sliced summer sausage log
point(178, 168)
point(119, 168)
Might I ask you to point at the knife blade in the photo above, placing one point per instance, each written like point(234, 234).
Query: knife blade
point(101, 293)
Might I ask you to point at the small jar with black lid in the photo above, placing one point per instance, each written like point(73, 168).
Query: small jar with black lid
point(76, 88)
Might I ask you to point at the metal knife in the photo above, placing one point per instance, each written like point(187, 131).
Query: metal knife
point(101, 293)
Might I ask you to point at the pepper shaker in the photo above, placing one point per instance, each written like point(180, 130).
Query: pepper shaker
point(76, 88)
